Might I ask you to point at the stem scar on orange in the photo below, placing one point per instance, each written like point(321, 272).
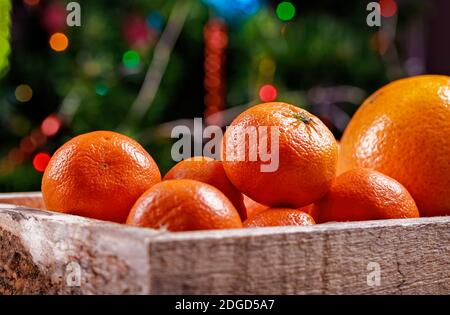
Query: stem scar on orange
point(184, 205)
point(98, 175)
point(307, 153)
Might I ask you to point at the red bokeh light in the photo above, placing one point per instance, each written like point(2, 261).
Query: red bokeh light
point(54, 17)
point(27, 146)
point(388, 8)
point(50, 126)
point(16, 156)
point(137, 32)
point(31, 3)
point(268, 93)
point(216, 40)
point(40, 161)
point(37, 137)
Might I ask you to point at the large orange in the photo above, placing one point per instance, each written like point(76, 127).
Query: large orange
point(307, 153)
point(279, 217)
point(99, 175)
point(403, 131)
point(209, 171)
point(184, 205)
point(365, 194)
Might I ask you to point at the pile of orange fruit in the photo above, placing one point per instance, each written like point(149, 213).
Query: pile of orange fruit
point(392, 162)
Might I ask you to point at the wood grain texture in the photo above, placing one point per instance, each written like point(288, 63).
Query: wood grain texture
point(27, 199)
point(36, 247)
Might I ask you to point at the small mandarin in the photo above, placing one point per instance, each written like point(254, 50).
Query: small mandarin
point(304, 156)
point(184, 205)
point(309, 209)
point(252, 207)
point(279, 217)
point(98, 175)
point(209, 171)
point(363, 194)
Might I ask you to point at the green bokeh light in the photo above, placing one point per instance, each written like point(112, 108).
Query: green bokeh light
point(101, 90)
point(285, 11)
point(131, 59)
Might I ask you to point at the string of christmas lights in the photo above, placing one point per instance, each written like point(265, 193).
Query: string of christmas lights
point(216, 42)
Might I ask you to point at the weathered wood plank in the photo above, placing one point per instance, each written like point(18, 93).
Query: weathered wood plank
point(40, 251)
point(39, 248)
point(26, 199)
point(333, 258)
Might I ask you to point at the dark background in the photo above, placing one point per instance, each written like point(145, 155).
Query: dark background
point(326, 59)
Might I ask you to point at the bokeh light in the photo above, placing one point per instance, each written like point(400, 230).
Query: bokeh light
point(38, 137)
point(92, 68)
point(54, 15)
point(23, 93)
point(383, 41)
point(131, 59)
point(31, 3)
point(388, 8)
point(27, 145)
point(40, 161)
point(51, 125)
point(233, 10)
point(16, 156)
point(20, 125)
point(268, 93)
point(155, 20)
point(267, 67)
point(285, 11)
point(59, 42)
point(101, 90)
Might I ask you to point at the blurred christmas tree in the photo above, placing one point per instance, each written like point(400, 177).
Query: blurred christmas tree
point(135, 65)
point(4, 34)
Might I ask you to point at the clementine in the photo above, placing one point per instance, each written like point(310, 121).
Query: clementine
point(98, 175)
point(403, 131)
point(309, 209)
point(209, 171)
point(279, 217)
point(252, 207)
point(364, 194)
point(307, 155)
point(184, 205)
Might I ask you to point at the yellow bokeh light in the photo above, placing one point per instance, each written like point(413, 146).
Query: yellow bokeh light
point(23, 93)
point(267, 66)
point(59, 42)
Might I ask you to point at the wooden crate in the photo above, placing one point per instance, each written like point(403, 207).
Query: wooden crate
point(50, 253)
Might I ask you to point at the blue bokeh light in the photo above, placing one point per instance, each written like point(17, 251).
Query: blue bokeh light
point(155, 20)
point(232, 10)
